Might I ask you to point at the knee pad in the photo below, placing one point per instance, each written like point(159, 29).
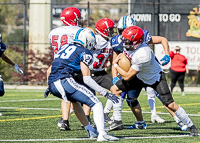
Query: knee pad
point(132, 103)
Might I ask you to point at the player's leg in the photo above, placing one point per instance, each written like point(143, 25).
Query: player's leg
point(58, 89)
point(162, 88)
point(152, 104)
point(65, 107)
point(85, 96)
point(2, 92)
point(92, 133)
point(87, 111)
point(134, 104)
point(105, 80)
point(176, 119)
point(107, 109)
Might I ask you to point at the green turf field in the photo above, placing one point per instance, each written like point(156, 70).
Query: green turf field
point(29, 117)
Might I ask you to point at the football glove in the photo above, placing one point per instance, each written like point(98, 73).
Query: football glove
point(112, 97)
point(115, 79)
point(165, 60)
point(46, 93)
point(18, 70)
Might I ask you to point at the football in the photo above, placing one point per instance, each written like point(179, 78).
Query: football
point(124, 62)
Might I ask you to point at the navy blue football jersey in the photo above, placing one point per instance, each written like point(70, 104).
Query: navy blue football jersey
point(67, 62)
point(2, 48)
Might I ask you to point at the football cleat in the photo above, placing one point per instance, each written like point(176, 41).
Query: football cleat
point(183, 93)
point(182, 126)
point(60, 122)
point(92, 134)
point(107, 118)
point(193, 131)
point(65, 125)
point(0, 114)
point(116, 125)
point(138, 126)
point(106, 137)
point(156, 118)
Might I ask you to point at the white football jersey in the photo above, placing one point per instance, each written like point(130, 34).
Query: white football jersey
point(62, 35)
point(101, 54)
point(144, 61)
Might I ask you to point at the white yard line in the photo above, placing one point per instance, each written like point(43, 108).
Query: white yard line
point(74, 139)
point(197, 115)
point(25, 100)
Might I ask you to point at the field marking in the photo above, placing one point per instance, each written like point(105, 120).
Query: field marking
point(55, 116)
point(30, 100)
point(18, 108)
point(74, 139)
point(33, 118)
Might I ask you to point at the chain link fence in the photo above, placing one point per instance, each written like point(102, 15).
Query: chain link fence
point(160, 17)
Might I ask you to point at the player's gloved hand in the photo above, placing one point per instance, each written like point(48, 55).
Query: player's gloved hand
point(18, 69)
point(112, 97)
point(115, 79)
point(165, 60)
point(46, 93)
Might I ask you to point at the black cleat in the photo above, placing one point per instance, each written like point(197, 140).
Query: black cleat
point(65, 125)
point(193, 131)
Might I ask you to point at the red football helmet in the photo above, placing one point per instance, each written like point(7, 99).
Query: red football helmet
point(70, 16)
point(105, 27)
point(132, 37)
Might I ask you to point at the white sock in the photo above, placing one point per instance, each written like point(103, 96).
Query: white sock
point(117, 109)
point(98, 117)
point(182, 115)
point(176, 119)
point(71, 111)
point(108, 106)
point(151, 100)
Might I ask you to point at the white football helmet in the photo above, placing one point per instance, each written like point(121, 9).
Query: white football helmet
point(124, 22)
point(86, 38)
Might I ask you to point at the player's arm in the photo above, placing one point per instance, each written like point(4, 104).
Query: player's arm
point(48, 72)
point(9, 61)
point(160, 40)
point(87, 79)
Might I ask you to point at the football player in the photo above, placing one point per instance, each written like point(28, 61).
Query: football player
point(71, 18)
point(76, 58)
point(116, 43)
point(141, 74)
point(7, 60)
point(101, 55)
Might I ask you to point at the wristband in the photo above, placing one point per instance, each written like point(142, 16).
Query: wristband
point(116, 65)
